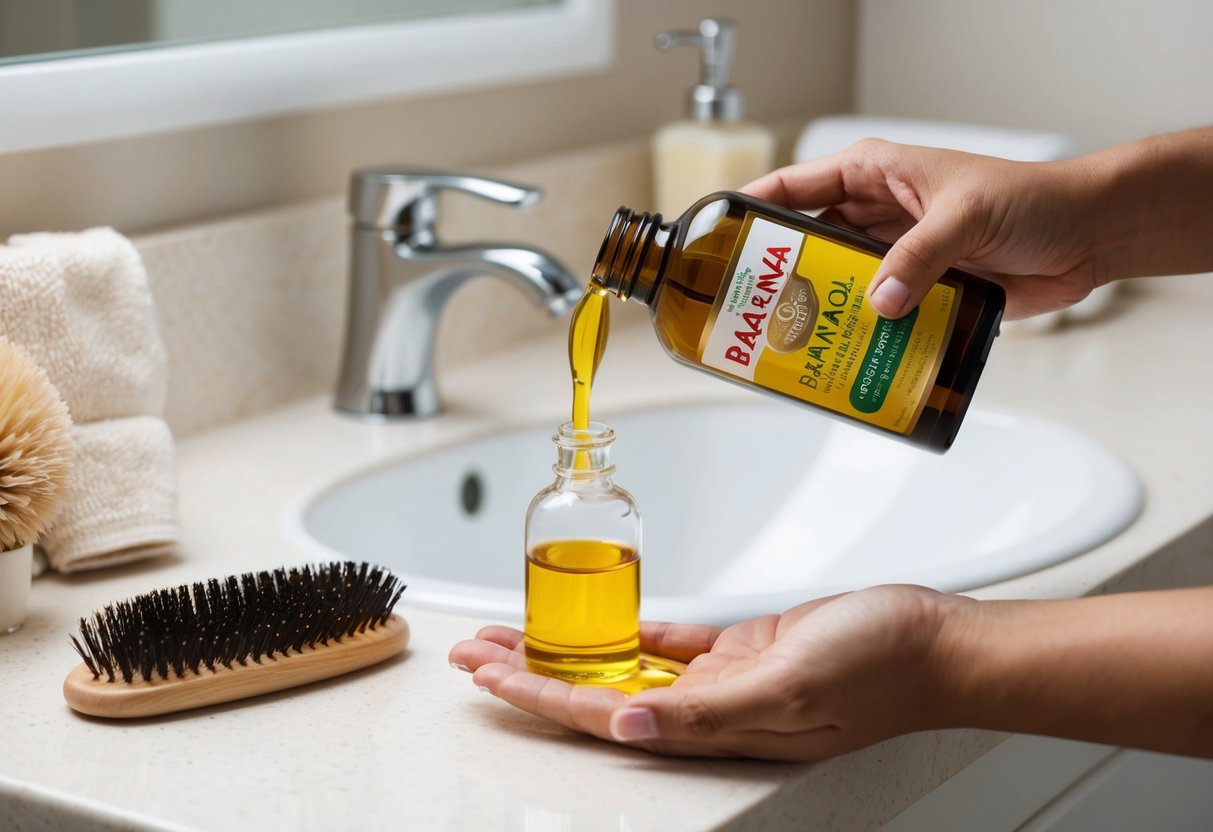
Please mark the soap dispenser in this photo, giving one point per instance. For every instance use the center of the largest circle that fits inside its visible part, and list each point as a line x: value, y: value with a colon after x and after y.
x: 715, y: 150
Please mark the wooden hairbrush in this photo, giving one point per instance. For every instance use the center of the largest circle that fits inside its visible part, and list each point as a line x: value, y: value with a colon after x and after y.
x: 175, y: 649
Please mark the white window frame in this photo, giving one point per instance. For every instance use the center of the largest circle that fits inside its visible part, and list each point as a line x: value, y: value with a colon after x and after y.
x: 91, y: 98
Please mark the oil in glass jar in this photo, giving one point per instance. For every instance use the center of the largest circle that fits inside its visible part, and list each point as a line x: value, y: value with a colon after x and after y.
x: 583, y: 566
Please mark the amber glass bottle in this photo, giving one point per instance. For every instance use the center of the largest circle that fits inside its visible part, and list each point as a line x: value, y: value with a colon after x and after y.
x: 775, y: 300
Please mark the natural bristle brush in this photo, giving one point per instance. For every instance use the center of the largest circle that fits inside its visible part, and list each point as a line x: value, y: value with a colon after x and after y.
x: 175, y: 649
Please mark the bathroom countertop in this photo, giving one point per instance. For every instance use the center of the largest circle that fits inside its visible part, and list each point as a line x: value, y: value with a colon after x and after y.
x: 413, y: 744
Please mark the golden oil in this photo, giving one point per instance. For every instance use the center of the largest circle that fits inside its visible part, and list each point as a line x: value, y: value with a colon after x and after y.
x: 583, y: 592
x: 587, y: 342
x: 582, y: 610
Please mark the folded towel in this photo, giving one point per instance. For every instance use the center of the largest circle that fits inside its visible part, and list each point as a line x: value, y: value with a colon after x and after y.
x: 80, y: 304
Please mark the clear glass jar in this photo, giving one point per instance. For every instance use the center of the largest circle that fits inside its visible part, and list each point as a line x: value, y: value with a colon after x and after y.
x: 583, y: 566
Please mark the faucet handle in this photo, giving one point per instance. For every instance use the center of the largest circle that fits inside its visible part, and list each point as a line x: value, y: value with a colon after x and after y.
x: 404, y: 199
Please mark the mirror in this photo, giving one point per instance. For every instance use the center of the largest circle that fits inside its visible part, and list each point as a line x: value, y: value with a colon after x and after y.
x: 52, y: 29
x: 79, y: 71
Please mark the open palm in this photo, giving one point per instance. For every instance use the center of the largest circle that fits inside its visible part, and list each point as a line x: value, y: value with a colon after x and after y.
x: 826, y: 677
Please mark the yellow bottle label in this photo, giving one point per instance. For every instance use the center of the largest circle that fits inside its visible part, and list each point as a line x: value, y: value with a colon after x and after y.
x: 793, y: 319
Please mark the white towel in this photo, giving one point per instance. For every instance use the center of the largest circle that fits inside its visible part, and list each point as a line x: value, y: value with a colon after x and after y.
x: 80, y: 304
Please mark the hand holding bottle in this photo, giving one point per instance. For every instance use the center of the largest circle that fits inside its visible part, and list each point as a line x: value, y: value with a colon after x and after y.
x: 1048, y: 233
x: 837, y: 674
x: 826, y: 677
x: 840, y: 673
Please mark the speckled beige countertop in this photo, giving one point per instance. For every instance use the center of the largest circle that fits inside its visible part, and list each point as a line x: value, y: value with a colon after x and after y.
x: 413, y: 744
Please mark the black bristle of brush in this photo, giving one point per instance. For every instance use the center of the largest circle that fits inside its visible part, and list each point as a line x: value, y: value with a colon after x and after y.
x: 173, y: 632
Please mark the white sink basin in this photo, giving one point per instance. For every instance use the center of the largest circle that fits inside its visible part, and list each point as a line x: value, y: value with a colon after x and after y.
x: 748, y: 509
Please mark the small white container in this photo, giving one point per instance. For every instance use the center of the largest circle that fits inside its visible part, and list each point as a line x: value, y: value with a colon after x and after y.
x: 16, y: 569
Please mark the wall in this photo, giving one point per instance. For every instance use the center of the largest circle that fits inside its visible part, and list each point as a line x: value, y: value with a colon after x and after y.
x: 1100, y: 71
x: 794, y: 60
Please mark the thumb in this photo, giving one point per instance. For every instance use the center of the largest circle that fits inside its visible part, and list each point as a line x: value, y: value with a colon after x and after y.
x: 916, y: 261
x: 697, y: 712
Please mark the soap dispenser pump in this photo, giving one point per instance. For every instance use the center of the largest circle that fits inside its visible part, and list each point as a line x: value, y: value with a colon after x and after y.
x: 715, y: 150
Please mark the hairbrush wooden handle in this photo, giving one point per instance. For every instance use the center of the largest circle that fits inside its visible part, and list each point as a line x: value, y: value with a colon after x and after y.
x: 119, y: 699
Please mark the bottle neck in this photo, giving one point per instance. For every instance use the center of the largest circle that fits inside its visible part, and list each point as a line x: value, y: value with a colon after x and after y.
x: 584, y: 456
x: 632, y: 256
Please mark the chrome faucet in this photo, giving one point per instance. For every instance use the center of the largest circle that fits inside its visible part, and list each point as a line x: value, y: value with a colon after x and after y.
x: 401, y: 277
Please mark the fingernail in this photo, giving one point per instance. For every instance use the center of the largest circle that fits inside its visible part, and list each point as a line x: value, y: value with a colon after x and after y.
x: 891, y: 295
x: 483, y: 689
x: 462, y: 667
x: 630, y: 724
